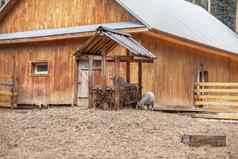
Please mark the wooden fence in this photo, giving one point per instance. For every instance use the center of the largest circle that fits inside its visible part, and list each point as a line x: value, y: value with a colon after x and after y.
x: 216, y: 94
x: 8, y: 96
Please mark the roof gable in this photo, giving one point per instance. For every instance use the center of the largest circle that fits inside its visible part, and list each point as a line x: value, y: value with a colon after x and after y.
x: 31, y: 15
x: 183, y: 19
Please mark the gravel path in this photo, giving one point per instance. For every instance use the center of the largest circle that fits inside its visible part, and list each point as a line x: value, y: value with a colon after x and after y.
x: 71, y: 133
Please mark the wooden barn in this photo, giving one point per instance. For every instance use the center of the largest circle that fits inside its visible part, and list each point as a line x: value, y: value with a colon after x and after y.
x: 196, y: 64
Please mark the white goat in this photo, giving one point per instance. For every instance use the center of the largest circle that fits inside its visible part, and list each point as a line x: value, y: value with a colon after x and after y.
x: 148, y: 100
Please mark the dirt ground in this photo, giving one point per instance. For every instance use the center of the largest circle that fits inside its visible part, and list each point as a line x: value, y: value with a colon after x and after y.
x: 72, y: 133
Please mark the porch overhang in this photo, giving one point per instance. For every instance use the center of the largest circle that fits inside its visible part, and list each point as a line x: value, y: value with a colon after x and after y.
x: 105, y: 40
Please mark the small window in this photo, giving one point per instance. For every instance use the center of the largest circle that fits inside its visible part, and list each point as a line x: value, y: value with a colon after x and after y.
x: 40, y: 68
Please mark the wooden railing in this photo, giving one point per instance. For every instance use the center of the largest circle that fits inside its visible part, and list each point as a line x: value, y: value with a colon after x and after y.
x: 216, y: 94
x: 7, y: 91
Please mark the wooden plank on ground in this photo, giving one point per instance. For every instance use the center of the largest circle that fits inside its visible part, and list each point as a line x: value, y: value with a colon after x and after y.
x: 203, y: 140
x: 220, y: 116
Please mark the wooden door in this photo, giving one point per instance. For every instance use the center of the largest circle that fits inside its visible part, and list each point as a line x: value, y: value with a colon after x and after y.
x: 83, y: 82
x: 83, y: 68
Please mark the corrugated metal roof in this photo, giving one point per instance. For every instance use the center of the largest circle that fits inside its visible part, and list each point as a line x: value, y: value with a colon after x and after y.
x: 106, y: 39
x: 185, y: 20
x: 71, y: 30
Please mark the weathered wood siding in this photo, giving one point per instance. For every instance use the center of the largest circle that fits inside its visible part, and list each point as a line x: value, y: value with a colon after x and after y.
x: 172, y: 76
x: 55, y: 88
x: 44, y: 14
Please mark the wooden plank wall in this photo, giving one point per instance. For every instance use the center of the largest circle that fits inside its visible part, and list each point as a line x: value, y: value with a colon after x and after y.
x: 173, y: 74
x: 37, y: 14
x: 171, y: 77
x: 57, y: 86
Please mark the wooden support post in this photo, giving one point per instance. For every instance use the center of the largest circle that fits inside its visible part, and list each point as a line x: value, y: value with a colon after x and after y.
x: 140, y: 75
x: 104, y: 71
x: 76, y: 78
x: 128, y: 68
x: 117, y: 87
x: 14, y: 88
x: 90, y: 83
x: 128, y: 72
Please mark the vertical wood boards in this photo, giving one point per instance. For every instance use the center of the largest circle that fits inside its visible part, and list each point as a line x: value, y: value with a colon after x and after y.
x: 171, y: 77
x: 173, y: 74
x: 35, y: 15
x: 55, y: 88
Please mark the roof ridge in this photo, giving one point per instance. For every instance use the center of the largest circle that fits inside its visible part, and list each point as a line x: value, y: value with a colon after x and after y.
x: 133, y: 14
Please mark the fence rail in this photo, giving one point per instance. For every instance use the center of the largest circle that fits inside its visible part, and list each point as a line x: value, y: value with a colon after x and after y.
x: 216, y: 94
x: 8, y: 93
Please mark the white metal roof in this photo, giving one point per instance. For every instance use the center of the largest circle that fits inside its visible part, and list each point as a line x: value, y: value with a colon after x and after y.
x: 70, y: 30
x: 185, y: 20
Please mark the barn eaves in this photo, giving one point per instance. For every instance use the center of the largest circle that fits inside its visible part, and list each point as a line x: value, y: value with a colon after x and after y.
x: 106, y: 39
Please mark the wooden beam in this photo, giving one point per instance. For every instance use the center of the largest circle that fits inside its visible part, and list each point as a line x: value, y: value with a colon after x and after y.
x: 216, y: 84
x: 217, y: 103
x: 128, y: 69
x: 117, y: 86
x: 201, y: 140
x: 216, y: 97
x: 90, y: 83
x: 5, y: 105
x: 140, y: 75
x: 207, y: 90
x: 14, y: 79
x: 104, y: 71
x: 7, y: 93
x: 76, y: 79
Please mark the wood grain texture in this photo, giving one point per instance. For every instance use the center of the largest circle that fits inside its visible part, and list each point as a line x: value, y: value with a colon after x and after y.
x: 35, y: 14
x: 173, y: 74
x: 171, y: 77
x: 56, y: 87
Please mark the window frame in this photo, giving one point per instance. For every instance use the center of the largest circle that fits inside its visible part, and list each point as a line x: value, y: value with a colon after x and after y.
x: 36, y: 72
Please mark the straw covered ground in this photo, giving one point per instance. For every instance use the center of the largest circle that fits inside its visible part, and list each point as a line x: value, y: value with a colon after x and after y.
x: 73, y: 133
